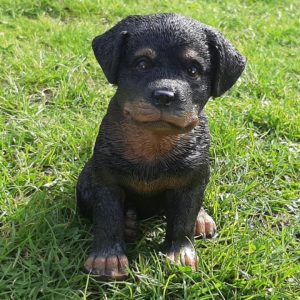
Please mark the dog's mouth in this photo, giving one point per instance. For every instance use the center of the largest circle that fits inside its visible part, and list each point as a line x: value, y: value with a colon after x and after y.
x: 148, y: 116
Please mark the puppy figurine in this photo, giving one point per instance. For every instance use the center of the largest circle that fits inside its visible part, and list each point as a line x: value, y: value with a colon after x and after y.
x: 152, y: 152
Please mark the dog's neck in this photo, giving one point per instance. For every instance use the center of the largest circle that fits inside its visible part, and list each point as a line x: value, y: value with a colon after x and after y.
x: 143, y: 144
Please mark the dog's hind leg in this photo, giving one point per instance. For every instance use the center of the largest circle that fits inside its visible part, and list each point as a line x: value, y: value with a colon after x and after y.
x: 131, y: 225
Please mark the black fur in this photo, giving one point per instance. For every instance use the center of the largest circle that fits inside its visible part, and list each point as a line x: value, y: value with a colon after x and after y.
x: 179, y: 44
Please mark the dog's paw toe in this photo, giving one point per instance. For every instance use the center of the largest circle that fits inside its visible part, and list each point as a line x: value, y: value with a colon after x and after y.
x: 112, y: 267
x: 185, y: 255
x: 205, y: 226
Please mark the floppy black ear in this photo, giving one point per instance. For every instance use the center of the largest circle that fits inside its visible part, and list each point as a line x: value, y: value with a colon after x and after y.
x: 108, y: 49
x: 228, y: 62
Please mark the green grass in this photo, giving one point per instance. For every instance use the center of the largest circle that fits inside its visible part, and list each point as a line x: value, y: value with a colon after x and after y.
x: 53, y: 96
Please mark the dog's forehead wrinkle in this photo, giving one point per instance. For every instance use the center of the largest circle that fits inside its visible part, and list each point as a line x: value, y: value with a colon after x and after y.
x: 170, y: 28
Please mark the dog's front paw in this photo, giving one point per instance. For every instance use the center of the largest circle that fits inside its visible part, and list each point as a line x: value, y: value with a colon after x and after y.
x: 205, y: 226
x: 184, y: 255
x: 107, y: 267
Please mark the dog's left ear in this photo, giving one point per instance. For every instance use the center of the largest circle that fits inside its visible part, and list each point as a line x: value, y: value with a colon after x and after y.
x: 108, y: 49
x: 228, y: 62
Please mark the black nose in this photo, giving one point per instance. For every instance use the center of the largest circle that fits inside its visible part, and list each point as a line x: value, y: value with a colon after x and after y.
x: 163, y: 97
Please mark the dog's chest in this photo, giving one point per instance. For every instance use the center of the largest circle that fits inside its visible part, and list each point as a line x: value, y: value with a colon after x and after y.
x: 149, y: 154
x: 144, y: 162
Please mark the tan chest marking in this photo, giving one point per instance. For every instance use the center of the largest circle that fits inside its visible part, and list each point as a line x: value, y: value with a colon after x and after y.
x: 141, y: 144
x: 158, y: 185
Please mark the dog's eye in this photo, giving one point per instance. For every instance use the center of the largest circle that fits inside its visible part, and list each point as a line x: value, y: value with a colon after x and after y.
x: 143, y: 65
x: 193, y: 71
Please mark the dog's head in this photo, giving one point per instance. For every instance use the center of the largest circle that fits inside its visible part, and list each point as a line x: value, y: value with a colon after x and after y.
x: 166, y: 67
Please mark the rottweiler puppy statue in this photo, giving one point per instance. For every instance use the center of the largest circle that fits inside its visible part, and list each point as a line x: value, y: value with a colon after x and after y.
x: 152, y: 152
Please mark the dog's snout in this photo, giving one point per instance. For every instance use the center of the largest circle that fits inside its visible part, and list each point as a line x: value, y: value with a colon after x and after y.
x: 163, y: 97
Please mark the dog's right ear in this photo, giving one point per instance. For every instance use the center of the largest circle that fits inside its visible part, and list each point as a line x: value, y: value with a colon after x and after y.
x: 229, y: 63
x: 108, y: 49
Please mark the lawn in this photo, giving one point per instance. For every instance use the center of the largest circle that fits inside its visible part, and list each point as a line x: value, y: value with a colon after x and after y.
x: 53, y: 96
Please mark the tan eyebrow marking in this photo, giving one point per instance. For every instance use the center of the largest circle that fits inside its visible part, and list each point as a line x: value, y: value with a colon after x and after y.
x: 190, y: 53
x: 146, y: 52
